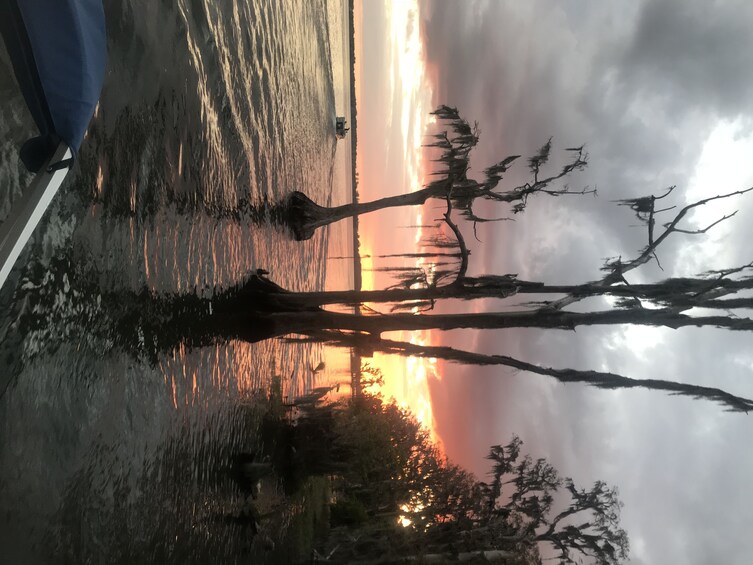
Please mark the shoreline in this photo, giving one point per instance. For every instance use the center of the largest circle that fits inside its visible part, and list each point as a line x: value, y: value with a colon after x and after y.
x: 357, y: 276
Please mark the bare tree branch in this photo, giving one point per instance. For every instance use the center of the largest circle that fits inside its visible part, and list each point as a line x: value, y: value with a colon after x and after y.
x: 649, y: 251
x: 464, y: 253
x: 707, y: 228
x: 598, y: 379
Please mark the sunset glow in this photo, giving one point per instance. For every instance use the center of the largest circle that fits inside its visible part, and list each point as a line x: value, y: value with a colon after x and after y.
x: 407, y: 107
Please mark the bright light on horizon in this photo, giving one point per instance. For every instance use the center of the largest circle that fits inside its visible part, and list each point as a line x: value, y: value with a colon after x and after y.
x: 406, y: 379
x: 415, y: 109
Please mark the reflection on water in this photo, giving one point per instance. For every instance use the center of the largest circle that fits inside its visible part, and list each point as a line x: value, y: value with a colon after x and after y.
x: 114, y: 441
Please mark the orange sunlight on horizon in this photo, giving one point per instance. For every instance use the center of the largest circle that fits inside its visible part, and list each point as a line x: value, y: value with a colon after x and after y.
x: 407, y: 113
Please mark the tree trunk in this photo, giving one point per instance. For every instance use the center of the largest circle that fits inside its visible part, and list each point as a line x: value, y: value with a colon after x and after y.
x: 488, y: 555
x: 282, y: 323
x: 305, y: 216
x: 690, y: 294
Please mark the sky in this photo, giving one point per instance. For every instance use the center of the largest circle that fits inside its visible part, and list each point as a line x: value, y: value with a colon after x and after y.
x: 662, y: 94
x: 394, y: 101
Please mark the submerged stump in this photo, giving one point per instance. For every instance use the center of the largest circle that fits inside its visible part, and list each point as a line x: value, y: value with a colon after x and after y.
x: 304, y: 216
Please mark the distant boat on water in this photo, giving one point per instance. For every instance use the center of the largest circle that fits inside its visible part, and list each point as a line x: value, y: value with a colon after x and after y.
x: 341, y: 127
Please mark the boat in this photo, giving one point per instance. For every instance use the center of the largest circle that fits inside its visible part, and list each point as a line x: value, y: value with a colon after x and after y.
x: 58, y: 49
x: 340, y: 127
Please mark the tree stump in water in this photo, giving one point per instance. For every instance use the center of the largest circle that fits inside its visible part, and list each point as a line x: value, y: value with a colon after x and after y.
x: 304, y: 216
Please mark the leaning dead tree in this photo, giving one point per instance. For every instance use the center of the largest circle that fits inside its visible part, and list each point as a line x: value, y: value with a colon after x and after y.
x: 452, y: 181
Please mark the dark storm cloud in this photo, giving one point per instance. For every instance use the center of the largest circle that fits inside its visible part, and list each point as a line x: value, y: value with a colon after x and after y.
x: 643, y: 84
x: 529, y: 73
x: 697, y: 53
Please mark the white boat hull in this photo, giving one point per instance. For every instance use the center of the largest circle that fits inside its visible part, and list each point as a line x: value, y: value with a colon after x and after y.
x: 16, y: 230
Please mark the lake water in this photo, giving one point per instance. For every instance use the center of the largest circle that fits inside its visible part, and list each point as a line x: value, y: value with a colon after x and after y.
x: 210, y: 109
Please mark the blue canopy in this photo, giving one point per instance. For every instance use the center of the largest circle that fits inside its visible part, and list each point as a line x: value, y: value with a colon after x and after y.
x: 59, y: 51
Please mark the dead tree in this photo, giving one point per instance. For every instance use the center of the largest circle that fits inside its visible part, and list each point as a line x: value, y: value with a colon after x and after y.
x: 456, y: 143
x: 260, y: 309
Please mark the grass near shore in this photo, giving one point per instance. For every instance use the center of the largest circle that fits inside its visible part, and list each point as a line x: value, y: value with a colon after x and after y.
x: 295, y: 523
x: 309, y: 523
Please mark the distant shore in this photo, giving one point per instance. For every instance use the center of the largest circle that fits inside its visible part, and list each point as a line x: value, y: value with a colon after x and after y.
x: 355, y: 356
x: 357, y: 278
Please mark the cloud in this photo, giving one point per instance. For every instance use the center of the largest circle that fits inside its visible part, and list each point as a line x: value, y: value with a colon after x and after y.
x: 650, y: 87
x: 694, y: 53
